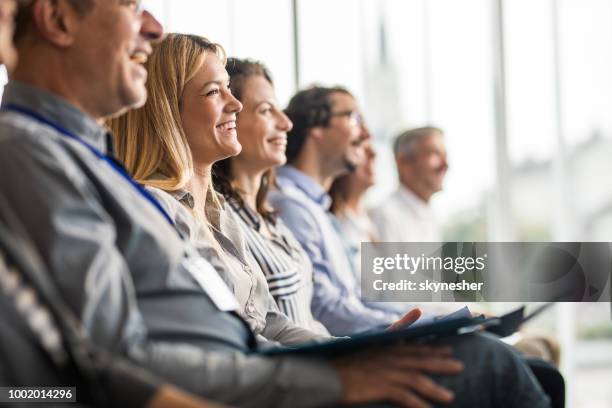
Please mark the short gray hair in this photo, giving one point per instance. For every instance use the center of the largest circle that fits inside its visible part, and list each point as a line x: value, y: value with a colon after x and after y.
x: 405, y: 143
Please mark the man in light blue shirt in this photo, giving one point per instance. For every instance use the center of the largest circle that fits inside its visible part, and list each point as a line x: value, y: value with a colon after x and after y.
x: 304, y: 207
x: 325, y: 142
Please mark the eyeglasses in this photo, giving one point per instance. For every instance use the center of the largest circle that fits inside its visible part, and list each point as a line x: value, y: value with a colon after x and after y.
x: 355, y: 118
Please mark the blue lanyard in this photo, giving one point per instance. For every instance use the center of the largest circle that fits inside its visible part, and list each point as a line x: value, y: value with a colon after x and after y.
x: 108, y: 159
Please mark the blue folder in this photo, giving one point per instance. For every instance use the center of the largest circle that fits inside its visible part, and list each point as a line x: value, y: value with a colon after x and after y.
x: 457, y: 323
x: 446, y: 326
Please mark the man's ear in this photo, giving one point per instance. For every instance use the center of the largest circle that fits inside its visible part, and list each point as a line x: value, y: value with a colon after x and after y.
x: 404, y: 161
x: 56, y: 21
x: 316, y: 132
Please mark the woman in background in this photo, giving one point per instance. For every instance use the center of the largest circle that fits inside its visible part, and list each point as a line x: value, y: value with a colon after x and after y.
x: 347, y: 193
x: 355, y: 225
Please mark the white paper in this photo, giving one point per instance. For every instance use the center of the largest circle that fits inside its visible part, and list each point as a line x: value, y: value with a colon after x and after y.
x: 208, y: 278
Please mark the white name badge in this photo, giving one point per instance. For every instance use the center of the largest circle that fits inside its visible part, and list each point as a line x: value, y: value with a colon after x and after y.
x: 209, y: 280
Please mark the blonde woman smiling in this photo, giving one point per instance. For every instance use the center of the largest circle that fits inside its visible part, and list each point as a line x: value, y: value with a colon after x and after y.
x: 170, y: 145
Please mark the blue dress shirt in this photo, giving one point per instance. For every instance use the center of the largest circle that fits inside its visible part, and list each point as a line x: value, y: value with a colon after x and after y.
x: 304, y: 207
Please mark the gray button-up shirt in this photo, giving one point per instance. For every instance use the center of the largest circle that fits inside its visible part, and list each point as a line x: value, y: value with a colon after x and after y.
x: 105, y: 245
x: 236, y: 266
x: 30, y: 333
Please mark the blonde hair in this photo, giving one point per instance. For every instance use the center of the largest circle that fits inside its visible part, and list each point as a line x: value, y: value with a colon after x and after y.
x: 151, y: 139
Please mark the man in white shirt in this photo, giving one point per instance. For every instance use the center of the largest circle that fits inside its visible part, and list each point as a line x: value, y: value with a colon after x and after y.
x: 407, y: 216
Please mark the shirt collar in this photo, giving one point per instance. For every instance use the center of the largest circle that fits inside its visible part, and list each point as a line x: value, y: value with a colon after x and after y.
x: 253, y: 220
x: 422, y: 208
x: 184, y: 197
x: 213, y: 212
x: 59, y: 111
x: 301, y: 180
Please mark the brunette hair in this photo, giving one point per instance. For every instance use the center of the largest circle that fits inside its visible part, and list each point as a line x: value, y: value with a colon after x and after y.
x: 240, y: 70
x: 309, y: 108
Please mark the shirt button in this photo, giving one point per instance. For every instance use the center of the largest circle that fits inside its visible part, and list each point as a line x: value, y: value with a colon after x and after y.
x: 11, y: 282
x: 40, y: 319
x: 52, y: 339
x: 25, y: 299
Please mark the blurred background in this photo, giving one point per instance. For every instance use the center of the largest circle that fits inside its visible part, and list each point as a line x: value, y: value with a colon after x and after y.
x: 522, y: 89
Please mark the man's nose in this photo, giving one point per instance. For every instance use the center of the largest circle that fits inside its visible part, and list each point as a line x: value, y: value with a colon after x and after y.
x: 151, y: 29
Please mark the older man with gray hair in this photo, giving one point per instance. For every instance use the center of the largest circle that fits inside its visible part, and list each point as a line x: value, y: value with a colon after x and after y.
x: 420, y: 156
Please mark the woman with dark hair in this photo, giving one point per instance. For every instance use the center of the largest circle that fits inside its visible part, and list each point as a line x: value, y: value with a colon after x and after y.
x: 347, y: 193
x: 245, y: 179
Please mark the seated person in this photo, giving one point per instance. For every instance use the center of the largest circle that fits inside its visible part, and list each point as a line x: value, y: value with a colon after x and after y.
x: 346, y: 193
x: 41, y: 343
x: 324, y: 143
x: 115, y: 257
x: 421, y: 163
x: 355, y: 226
x: 32, y: 352
x: 245, y: 180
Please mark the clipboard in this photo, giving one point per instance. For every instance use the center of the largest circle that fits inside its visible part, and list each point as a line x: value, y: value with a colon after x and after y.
x: 444, y: 327
x: 457, y: 323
